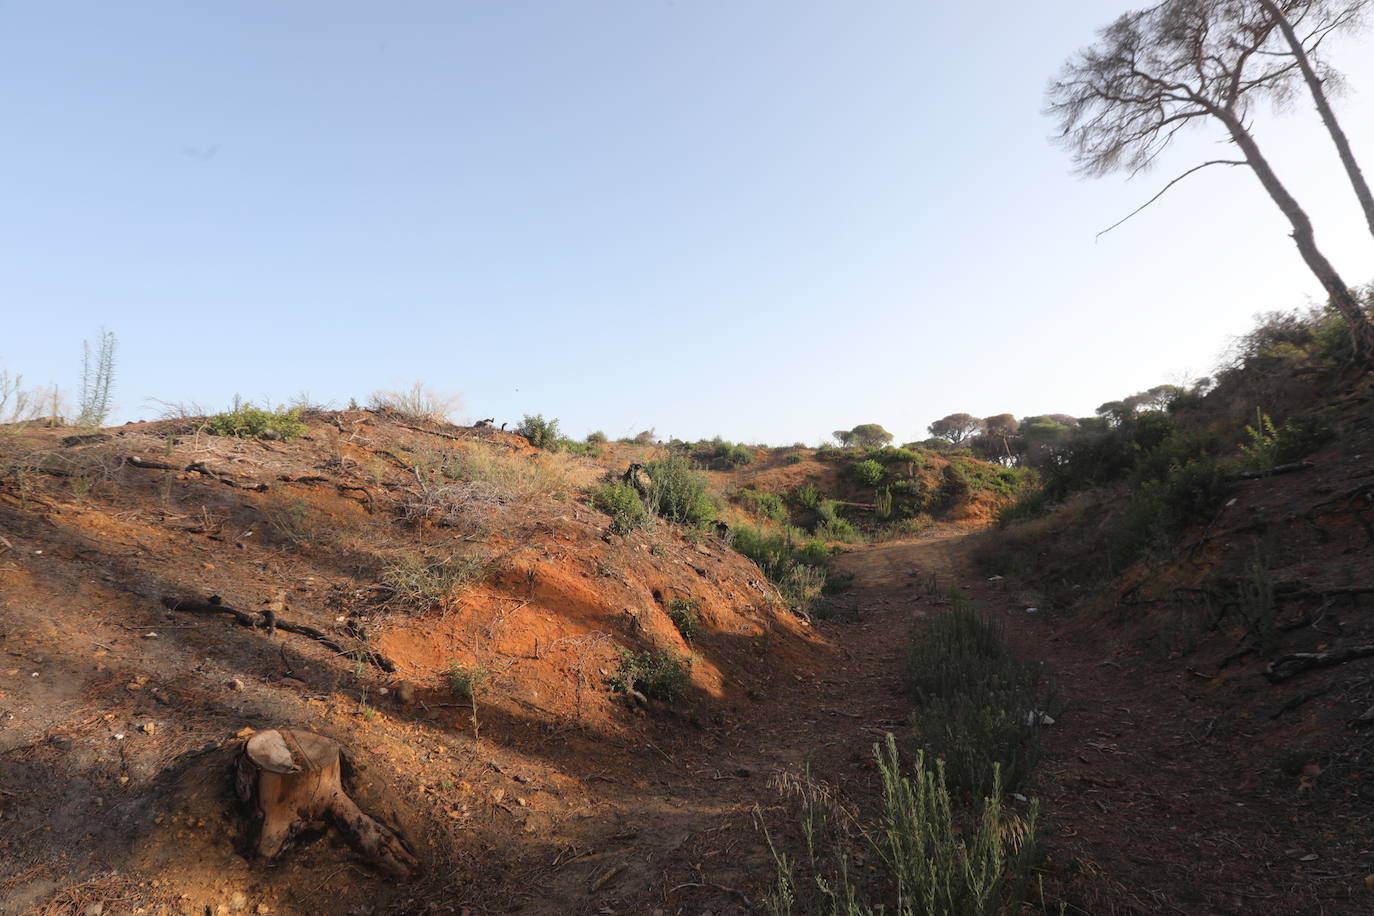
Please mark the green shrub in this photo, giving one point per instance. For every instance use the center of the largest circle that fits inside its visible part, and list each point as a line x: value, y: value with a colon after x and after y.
x: 1030, y: 504
x: 685, y: 613
x: 622, y: 503
x: 836, y: 529
x: 973, y: 699
x: 1302, y: 435
x: 660, y: 674
x: 808, y: 496
x: 1160, y: 510
x: 767, y: 505
x: 248, y: 422
x: 892, y: 455
x: 867, y: 473
x: 541, y: 433
x: 678, y: 493
x: 798, y: 565
x: 928, y: 857
x: 468, y: 681
x: 573, y: 447
x: 596, y: 438
x: 795, y: 458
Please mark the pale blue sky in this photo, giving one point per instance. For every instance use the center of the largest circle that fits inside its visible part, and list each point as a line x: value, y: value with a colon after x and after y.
x: 766, y: 220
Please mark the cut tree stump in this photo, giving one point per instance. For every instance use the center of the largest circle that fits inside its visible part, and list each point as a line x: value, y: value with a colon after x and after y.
x: 292, y: 781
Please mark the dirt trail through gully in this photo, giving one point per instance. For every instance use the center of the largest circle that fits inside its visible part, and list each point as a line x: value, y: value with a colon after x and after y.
x: 1147, y: 806
x: 1150, y: 802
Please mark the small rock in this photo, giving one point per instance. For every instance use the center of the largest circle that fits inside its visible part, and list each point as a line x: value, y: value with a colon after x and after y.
x: 149, y: 728
x: 1369, y: 882
x: 1032, y: 610
x: 234, y: 684
x: 93, y: 909
x: 1036, y: 717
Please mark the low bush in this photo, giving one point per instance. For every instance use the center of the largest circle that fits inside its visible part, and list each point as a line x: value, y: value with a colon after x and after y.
x: 685, y: 613
x: 891, y: 455
x: 836, y: 529
x: 622, y: 503
x: 867, y: 473
x: 798, y: 565
x: 541, y: 433
x: 808, y: 496
x: 1190, y: 493
x: 573, y: 447
x: 678, y: 493
x: 765, y: 505
x: 974, y: 699
x: 248, y: 422
x: 596, y: 438
x: 417, y: 583
x: 660, y: 674
x: 927, y: 857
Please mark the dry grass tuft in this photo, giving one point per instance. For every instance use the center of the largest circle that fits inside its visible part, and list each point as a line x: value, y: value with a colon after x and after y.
x: 418, y: 402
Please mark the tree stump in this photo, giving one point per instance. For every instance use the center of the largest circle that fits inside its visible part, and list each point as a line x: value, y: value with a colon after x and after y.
x: 292, y: 781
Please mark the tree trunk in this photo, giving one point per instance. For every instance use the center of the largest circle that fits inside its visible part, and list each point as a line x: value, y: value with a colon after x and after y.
x: 1361, y: 331
x: 292, y: 780
x: 1333, y: 127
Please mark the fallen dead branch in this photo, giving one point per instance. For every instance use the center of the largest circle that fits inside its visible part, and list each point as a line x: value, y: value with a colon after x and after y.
x: 1290, y: 666
x: 1280, y: 469
x: 1300, y: 699
x: 268, y: 620
x: 195, y: 467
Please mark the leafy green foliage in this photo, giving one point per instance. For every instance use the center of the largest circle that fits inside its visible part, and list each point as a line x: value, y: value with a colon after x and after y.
x: 660, y: 674
x: 836, y: 529
x: 596, y: 438
x: 867, y: 473
x: 468, y: 681
x: 973, y: 697
x: 622, y: 503
x: 1189, y: 493
x: 678, y: 493
x: 1261, y: 452
x: 249, y: 422
x: 808, y: 496
x: 573, y: 447
x: 685, y: 613
x: 541, y: 433
x: 763, y: 504
x: 796, y: 564
x: 929, y: 857
x: 891, y: 455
